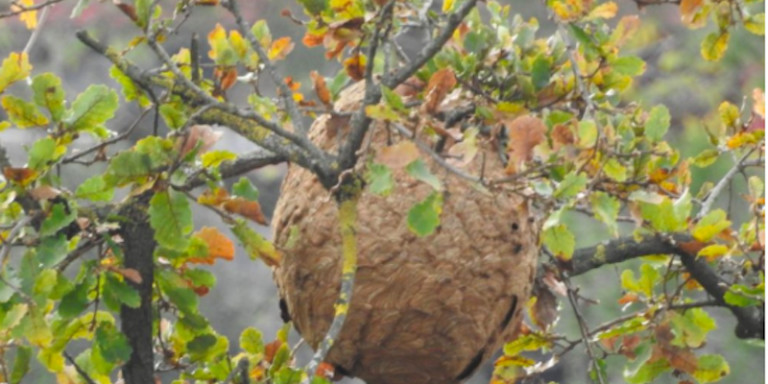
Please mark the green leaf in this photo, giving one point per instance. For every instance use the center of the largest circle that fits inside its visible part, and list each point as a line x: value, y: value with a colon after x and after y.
x: 711, y: 225
x: 92, y: 108
x: 560, y: 241
x: 14, y: 316
x: 59, y: 218
x: 143, y: 12
x: 159, y: 151
x: 20, y: 364
x: 606, y: 209
x: 314, y: 7
x: 615, y: 170
x: 14, y: 68
x: 584, y: 39
x: 245, y: 189
x: 251, y: 341
x: 628, y: 65
x: 424, y: 217
x: 255, y: 244
x: 178, y: 291
x: 74, y: 302
x: 756, y: 186
x: 419, y: 170
x: 23, y: 113
x: 52, y: 250
x: 120, y: 292
x: 112, y: 344
x: 44, y: 283
x: 130, y: 90
x: 173, y: 116
x: 540, y: 72
x: 711, y: 368
x: 49, y: 94
x: 379, y: 179
x: 571, y: 185
x: 647, y: 372
x: 632, y: 325
x: 657, y: 124
x: 392, y: 99
x: 755, y: 24
x: 706, y: 158
x: 171, y: 218
x: 215, y: 158
x: 530, y: 342
x: 42, y: 153
x: 127, y: 166
x: 713, y: 46
x: 744, y: 296
x: 201, y: 344
x: 95, y: 189
x: 691, y: 327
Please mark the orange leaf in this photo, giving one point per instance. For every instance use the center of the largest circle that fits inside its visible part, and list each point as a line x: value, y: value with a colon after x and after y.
x: 438, y: 87
x: 325, y: 370
x: 321, y: 89
x: 271, y: 349
x: 280, y: 48
x: 207, y: 2
x: 225, y: 79
x: 292, y: 85
x: 219, y: 245
x: 246, y: 208
x: 355, y: 67
x: 399, y: 155
x: 525, y: 132
x: 688, y: 9
x: 311, y: 40
x: 628, y: 298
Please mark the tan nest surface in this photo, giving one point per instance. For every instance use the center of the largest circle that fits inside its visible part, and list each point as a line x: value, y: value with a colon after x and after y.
x: 424, y: 310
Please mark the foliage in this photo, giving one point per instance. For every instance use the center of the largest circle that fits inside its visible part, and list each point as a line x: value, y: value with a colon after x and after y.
x: 553, y: 105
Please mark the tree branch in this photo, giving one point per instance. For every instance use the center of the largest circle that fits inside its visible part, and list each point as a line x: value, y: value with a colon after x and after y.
x: 429, y: 51
x: 751, y: 320
x: 248, y: 124
x: 242, y: 165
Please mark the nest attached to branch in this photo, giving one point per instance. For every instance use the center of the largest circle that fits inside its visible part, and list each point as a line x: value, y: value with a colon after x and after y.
x: 424, y: 309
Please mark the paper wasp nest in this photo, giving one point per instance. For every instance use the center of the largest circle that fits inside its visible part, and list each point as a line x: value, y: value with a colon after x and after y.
x: 424, y: 309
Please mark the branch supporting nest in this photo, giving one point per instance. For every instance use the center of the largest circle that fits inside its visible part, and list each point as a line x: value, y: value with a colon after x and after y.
x: 751, y: 320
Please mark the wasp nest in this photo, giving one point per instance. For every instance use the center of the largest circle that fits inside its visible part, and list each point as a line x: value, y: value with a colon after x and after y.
x: 424, y: 309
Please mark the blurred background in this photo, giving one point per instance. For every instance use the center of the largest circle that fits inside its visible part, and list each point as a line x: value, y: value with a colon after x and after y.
x: 245, y: 296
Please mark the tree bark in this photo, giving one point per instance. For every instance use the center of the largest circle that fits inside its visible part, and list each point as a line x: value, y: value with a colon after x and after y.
x: 138, y: 248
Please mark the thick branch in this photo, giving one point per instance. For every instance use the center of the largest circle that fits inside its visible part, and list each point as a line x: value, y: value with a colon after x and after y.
x: 751, y: 320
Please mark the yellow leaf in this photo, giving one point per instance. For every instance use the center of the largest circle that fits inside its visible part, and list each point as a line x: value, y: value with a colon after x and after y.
x: 688, y: 10
x: 604, y: 11
x: 29, y: 18
x: 712, y: 252
x: 217, y: 34
x: 448, y: 5
x: 714, y: 45
x: 280, y: 48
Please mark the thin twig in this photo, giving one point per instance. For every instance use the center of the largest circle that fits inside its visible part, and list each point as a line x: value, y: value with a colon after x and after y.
x: 106, y: 143
x: 22, y: 9
x: 724, y: 182
x: 585, y: 332
x: 79, y: 370
x: 285, y: 94
x: 9, y: 238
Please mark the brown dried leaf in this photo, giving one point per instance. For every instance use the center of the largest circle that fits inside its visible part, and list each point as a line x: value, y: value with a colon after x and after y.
x: 525, y: 132
x: 562, y: 135
x: 438, y: 87
x: 130, y: 274
x: 544, y: 311
x: 127, y: 9
x: 355, y: 67
x: 203, y: 133
x: 246, y: 208
x: 399, y: 155
x: 44, y: 192
x: 321, y: 89
x: 410, y: 87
